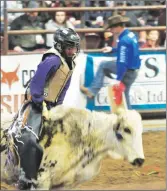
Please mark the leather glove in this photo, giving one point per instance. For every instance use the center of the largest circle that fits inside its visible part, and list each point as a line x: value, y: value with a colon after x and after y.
x: 37, y: 105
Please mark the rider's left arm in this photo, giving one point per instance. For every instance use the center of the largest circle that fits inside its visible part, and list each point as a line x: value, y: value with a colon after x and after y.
x: 38, y: 81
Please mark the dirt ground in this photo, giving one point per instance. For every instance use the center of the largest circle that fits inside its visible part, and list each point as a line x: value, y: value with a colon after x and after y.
x: 119, y: 175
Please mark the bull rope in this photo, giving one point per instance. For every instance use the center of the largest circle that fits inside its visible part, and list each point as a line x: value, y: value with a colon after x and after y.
x: 13, y: 133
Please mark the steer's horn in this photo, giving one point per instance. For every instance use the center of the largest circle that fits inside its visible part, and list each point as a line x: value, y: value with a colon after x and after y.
x: 120, y: 111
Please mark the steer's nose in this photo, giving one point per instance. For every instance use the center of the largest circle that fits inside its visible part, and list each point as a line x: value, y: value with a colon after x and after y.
x: 138, y: 162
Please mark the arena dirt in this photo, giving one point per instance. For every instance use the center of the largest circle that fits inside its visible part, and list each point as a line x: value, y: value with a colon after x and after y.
x: 120, y: 175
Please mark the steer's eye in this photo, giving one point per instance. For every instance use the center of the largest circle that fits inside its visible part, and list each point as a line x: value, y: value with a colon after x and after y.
x: 127, y: 130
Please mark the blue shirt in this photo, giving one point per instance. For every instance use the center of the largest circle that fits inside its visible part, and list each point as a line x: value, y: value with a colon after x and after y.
x: 46, y: 68
x: 127, y: 53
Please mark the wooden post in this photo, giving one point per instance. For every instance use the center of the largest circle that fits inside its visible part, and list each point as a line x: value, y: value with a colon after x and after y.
x: 82, y: 36
x: 5, y: 44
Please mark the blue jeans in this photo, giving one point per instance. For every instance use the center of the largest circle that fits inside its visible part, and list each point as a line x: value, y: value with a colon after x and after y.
x: 107, y: 67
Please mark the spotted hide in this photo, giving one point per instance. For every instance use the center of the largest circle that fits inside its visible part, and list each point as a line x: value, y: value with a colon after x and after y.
x: 76, y: 140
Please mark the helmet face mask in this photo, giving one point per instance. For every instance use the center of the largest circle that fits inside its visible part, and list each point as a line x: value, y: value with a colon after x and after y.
x: 65, y: 39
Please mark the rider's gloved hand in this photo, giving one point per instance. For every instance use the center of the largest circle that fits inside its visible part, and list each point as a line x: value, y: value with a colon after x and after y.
x: 37, y: 105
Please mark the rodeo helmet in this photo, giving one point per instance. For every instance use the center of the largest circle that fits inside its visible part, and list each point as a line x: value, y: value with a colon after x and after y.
x: 64, y: 38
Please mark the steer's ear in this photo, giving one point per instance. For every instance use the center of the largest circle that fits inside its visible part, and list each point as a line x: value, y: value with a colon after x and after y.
x: 121, y: 113
x: 117, y: 126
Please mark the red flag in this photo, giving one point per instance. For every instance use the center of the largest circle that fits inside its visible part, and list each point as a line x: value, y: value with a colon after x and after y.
x: 118, y: 90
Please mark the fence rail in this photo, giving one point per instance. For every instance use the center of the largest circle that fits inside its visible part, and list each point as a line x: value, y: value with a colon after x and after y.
x: 83, y: 9
x: 83, y: 50
x: 80, y: 30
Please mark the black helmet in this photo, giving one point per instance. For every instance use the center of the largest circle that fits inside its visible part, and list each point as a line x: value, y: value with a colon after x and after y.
x: 66, y: 37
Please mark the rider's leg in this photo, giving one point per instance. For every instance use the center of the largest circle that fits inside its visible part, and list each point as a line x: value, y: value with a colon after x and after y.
x: 30, y: 152
x: 30, y: 159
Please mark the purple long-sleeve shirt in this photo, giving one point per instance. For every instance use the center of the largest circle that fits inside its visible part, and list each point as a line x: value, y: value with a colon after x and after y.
x: 46, y: 67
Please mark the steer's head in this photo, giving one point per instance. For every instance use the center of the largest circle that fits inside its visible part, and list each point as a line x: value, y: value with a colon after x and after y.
x: 128, y: 132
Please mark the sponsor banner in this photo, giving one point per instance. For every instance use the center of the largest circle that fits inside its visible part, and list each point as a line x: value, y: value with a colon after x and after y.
x: 16, y: 71
x: 148, y: 92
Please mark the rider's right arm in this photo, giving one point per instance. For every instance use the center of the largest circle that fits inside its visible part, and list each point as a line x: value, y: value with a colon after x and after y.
x: 48, y: 66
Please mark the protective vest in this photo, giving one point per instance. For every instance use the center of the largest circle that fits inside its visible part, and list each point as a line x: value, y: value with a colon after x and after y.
x: 57, y: 82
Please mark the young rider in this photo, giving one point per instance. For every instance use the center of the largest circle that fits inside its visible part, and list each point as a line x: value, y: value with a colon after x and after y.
x: 49, y: 84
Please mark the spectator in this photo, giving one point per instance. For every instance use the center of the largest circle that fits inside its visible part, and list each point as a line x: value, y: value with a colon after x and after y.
x: 141, y: 15
x: 74, y: 22
x: 99, y: 23
x: 59, y: 20
x: 11, y: 16
x: 162, y: 22
x: 108, y: 39
x: 57, y: 3
x: 153, y: 15
x: 45, y: 16
x: 142, y: 38
x: 11, y: 5
x: 2, y: 27
x: 152, y: 40
x: 71, y: 3
x: 133, y: 21
x: 110, y: 3
x: 92, y: 15
x: 27, y: 21
x: 76, y: 14
x: 2, y: 46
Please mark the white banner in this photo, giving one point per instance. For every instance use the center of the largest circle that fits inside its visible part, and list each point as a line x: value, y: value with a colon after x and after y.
x: 16, y: 70
x: 149, y: 88
x: 148, y: 92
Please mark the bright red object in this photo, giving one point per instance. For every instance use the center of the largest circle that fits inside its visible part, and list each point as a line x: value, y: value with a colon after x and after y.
x: 118, y: 90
